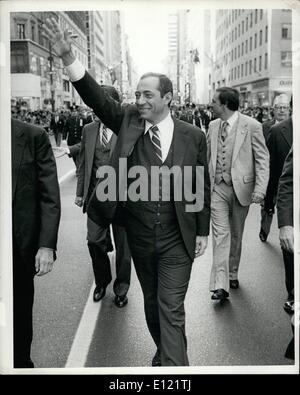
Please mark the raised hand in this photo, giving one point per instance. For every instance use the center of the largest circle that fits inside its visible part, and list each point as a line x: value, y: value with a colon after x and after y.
x: 60, y: 40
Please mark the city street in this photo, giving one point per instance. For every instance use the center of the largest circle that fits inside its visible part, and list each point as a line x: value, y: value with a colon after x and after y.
x: 70, y: 330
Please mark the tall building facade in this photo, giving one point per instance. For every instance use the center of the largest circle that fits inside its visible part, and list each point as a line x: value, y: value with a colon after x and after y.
x: 254, y: 53
x: 95, y: 44
x: 38, y: 79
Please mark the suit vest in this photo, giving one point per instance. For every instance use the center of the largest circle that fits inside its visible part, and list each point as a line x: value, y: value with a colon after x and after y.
x: 224, y: 156
x: 151, y: 212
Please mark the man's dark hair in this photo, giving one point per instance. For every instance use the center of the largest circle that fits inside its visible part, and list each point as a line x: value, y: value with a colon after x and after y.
x: 112, y: 92
x: 164, y: 83
x: 229, y: 97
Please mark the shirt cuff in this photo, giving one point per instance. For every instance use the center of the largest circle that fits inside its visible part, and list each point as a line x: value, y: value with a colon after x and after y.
x: 75, y: 71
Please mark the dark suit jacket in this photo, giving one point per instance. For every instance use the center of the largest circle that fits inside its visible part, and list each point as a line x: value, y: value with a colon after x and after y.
x: 285, y: 193
x: 279, y: 143
x: 57, y: 127
x: 35, y: 189
x: 73, y: 130
x: 90, y: 133
x: 266, y: 128
x: 189, y: 150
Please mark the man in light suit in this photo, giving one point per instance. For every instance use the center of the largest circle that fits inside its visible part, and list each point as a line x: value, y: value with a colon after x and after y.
x: 239, y: 171
x: 164, y: 237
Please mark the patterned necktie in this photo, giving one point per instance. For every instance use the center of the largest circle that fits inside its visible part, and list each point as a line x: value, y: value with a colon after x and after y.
x: 224, y: 131
x: 104, y: 140
x: 156, y: 141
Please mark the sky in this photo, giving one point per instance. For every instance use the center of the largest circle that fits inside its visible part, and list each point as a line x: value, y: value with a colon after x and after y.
x: 147, y: 30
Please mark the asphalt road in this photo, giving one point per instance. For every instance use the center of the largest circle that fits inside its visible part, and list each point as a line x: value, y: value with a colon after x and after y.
x: 250, y: 329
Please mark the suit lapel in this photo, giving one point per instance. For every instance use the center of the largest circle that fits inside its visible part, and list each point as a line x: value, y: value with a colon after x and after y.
x: 18, y: 143
x: 90, y: 146
x: 180, y: 143
x: 214, y: 144
x: 242, y: 129
x: 287, y: 132
x: 135, y: 129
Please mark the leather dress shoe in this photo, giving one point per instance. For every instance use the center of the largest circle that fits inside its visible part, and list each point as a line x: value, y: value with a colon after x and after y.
x: 234, y: 284
x: 220, y: 294
x: 289, y: 306
x: 99, y: 294
x: 263, y: 236
x: 156, y: 361
x: 121, y: 301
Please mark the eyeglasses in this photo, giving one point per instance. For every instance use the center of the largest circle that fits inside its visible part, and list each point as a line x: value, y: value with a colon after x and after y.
x: 281, y: 107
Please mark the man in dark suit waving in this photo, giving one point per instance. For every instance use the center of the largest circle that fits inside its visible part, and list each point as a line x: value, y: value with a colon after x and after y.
x: 164, y: 237
x: 36, y: 215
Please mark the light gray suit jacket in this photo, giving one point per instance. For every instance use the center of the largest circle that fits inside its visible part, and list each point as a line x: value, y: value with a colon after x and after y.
x: 250, y: 159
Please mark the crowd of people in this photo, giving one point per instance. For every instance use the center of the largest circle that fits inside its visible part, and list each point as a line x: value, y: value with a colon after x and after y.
x: 241, y: 165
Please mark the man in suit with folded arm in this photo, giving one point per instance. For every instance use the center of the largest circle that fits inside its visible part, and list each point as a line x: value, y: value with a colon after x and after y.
x: 239, y: 170
x: 164, y: 238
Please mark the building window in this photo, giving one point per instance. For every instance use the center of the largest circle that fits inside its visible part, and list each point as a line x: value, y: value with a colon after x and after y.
x: 246, y: 47
x: 235, y: 53
x: 235, y: 73
x: 286, y: 58
x: 246, y: 69
x: 242, y: 49
x: 242, y: 70
x: 255, y: 20
x: 266, y: 61
x: 247, y: 24
x: 239, y: 30
x: 255, y: 40
x: 239, y: 53
x: 18, y: 62
x: 250, y: 67
x: 243, y: 27
x: 66, y: 86
x: 261, y: 14
x: 235, y: 14
x: 254, y: 66
x: 259, y: 66
x: 235, y: 33
x: 21, y: 31
x: 260, y: 37
x: 32, y: 32
x: 286, y: 30
x: 251, y: 19
x: 266, y: 34
x: 250, y: 46
x: 238, y: 72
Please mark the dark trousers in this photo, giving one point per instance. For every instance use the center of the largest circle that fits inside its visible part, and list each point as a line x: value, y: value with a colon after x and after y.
x: 23, y: 294
x: 288, y: 260
x: 58, y: 136
x: 99, y: 244
x: 163, y: 268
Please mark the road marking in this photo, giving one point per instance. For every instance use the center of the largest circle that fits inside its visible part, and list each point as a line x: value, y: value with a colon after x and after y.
x: 83, y: 337
x: 65, y: 176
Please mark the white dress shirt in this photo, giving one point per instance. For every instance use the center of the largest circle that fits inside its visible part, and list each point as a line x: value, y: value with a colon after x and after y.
x: 165, y: 132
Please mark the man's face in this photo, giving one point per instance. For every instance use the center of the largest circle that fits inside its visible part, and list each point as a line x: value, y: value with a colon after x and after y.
x: 281, y: 110
x: 217, y: 107
x: 151, y: 106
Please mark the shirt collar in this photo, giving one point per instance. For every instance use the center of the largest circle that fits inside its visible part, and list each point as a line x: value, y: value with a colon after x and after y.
x: 231, y: 120
x: 166, y: 123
